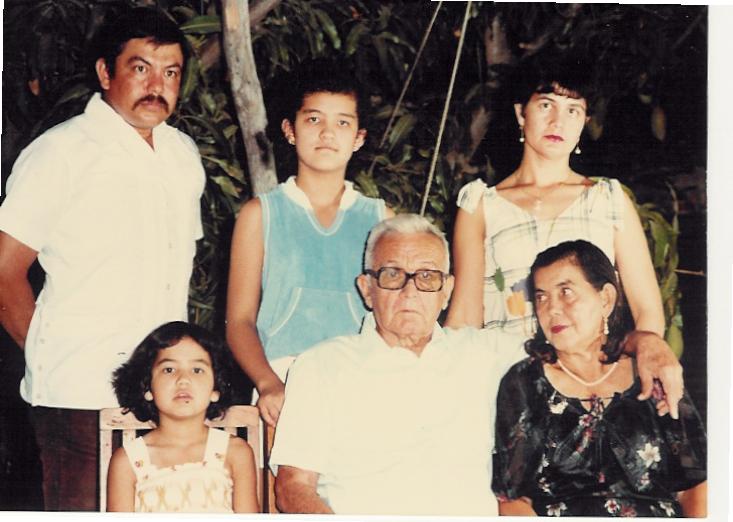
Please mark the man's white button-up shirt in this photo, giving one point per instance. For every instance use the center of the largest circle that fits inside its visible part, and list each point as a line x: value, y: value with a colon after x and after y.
x: 114, y: 223
x: 392, y: 433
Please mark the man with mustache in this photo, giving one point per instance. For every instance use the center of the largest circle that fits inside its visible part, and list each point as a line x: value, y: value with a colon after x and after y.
x: 108, y: 202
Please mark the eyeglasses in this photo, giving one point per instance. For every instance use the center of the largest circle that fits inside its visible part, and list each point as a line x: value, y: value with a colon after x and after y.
x: 393, y: 278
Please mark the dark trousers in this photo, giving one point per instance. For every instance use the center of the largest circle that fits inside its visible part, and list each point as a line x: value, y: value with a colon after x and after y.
x: 68, y: 441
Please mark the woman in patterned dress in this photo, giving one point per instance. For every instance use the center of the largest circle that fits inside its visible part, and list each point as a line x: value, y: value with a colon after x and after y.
x: 571, y: 437
x: 499, y: 230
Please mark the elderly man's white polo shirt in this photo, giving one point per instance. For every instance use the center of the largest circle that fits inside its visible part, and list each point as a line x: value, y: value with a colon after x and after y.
x: 392, y: 433
x: 114, y: 223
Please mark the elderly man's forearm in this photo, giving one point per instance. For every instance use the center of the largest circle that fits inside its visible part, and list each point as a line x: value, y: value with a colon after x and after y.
x: 299, y: 498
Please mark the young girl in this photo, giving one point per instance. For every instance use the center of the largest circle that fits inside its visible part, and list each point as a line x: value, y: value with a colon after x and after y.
x: 499, y: 230
x: 178, y: 376
x: 296, y: 251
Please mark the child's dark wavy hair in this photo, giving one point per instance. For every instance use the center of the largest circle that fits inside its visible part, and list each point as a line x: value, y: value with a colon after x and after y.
x: 597, y: 270
x: 568, y: 75
x: 131, y: 380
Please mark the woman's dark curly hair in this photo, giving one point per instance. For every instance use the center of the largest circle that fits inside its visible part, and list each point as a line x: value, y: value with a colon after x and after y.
x: 568, y: 75
x: 131, y: 380
x: 597, y: 270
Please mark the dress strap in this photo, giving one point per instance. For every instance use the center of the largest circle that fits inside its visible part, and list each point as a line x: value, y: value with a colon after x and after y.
x: 470, y: 195
x: 137, y: 454
x: 216, y: 447
x: 615, y: 194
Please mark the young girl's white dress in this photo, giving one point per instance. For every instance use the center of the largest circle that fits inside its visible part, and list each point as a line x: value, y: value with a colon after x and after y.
x: 514, y: 237
x: 194, y: 487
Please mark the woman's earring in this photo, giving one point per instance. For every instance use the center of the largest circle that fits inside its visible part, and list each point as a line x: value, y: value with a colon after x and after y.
x: 577, y: 148
x: 148, y: 396
x: 605, y: 326
x: 291, y: 140
x: 521, y: 134
x: 215, y: 396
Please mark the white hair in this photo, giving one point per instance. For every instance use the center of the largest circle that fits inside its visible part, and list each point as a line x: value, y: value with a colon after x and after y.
x: 403, y: 224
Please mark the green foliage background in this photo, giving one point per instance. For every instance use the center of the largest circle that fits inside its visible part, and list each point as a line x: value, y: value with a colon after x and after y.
x: 649, y: 130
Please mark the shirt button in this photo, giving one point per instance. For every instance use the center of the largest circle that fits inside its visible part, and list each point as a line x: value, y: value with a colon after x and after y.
x: 42, y: 341
x: 168, y: 287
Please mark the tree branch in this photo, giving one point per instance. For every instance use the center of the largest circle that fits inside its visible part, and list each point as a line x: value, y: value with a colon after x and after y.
x: 247, y: 94
x: 211, y: 51
x: 495, y: 41
x: 259, y: 11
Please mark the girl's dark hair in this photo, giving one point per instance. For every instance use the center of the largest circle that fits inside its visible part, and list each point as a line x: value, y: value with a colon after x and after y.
x: 131, y: 380
x: 567, y: 75
x: 597, y: 270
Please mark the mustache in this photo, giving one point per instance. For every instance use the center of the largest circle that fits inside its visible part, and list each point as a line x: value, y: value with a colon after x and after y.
x: 152, y: 98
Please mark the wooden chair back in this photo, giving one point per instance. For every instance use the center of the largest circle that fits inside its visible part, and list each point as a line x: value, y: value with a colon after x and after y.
x: 113, y: 419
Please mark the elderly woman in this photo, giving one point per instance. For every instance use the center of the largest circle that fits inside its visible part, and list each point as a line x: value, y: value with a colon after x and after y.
x: 499, y: 230
x: 571, y: 437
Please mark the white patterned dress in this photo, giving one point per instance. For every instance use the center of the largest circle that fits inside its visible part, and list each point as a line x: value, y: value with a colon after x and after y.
x: 514, y: 237
x: 194, y: 487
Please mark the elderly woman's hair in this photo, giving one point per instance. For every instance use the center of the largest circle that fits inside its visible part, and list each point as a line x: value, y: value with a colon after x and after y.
x: 566, y: 75
x: 403, y: 224
x: 597, y: 270
x: 131, y: 380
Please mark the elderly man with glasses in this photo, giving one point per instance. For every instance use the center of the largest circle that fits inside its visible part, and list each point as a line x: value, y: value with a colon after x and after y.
x: 398, y: 419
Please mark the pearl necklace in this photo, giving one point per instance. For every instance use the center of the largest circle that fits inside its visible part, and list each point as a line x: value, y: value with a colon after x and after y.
x: 586, y: 383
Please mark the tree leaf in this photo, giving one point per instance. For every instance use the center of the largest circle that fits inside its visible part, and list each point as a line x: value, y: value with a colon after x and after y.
x: 352, y: 40
x: 437, y: 204
x: 328, y: 27
x: 674, y: 339
x: 232, y: 169
x: 214, y: 132
x: 230, y: 131
x: 396, y: 40
x: 367, y: 185
x: 226, y: 185
x: 204, y: 24
x: 401, y: 129
x: 190, y: 78
x: 77, y: 91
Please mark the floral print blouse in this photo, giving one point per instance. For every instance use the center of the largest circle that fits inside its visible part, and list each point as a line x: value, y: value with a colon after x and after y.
x: 615, y: 460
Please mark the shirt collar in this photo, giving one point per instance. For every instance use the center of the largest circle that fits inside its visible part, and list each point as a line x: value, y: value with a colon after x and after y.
x: 295, y: 193
x: 107, y: 120
x: 378, y: 345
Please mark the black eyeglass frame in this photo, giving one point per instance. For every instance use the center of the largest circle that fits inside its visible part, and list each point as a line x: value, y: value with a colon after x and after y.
x: 408, y: 275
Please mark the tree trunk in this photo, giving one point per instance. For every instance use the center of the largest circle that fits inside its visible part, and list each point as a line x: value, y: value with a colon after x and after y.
x: 247, y: 94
